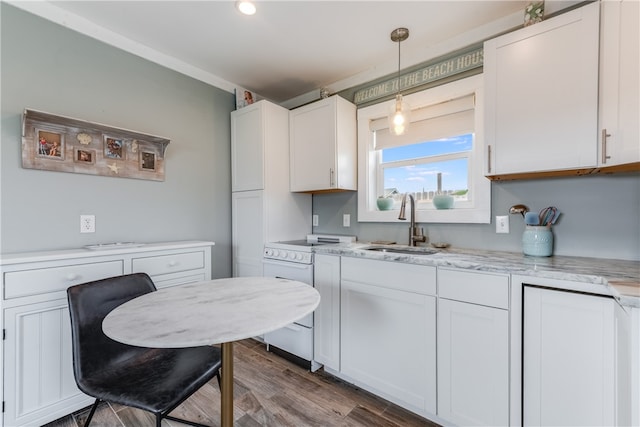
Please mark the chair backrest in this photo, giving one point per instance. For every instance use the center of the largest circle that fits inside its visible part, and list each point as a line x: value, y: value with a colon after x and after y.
x: 89, y: 304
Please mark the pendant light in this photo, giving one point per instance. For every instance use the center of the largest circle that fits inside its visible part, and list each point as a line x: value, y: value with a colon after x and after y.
x: 399, y: 114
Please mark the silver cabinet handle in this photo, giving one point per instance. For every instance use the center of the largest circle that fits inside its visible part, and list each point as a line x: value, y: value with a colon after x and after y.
x: 331, y: 178
x: 488, y: 159
x: 604, y: 146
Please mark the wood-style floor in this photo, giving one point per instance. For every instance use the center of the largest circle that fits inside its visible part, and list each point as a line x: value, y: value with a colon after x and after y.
x: 268, y: 391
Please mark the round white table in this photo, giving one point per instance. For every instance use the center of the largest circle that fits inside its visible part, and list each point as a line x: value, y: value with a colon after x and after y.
x: 213, y: 312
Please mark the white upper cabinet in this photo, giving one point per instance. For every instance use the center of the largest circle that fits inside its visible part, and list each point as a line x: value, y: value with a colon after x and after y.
x: 541, y: 85
x: 323, y: 146
x: 619, y: 83
x: 258, y: 130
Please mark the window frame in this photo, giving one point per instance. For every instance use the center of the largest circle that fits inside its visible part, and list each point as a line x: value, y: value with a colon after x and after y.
x: 368, y: 158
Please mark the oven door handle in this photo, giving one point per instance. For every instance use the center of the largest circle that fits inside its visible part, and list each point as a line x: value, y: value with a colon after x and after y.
x: 293, y: 327
x: 288, y: 264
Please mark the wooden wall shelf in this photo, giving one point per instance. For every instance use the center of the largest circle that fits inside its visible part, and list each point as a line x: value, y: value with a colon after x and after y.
x: 64, y: 144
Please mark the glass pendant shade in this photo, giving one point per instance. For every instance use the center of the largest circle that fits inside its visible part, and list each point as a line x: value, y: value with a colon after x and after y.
x: 399, y: 119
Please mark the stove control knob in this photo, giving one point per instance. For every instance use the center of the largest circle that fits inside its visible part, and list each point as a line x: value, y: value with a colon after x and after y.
x: 276, y: 253
x: 299, y: 257
x: 268, y: 252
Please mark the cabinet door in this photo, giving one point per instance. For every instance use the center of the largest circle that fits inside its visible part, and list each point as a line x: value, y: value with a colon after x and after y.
x: 541, y: 86
x: 619, y: 83
x: 388, y: 343
x: 326, y: 280
x: 39, y: 385
x: 247, y: 233
x: 568, y: 359
x: 247, y: 148
x: 313, y: 146
x: 473, y: 364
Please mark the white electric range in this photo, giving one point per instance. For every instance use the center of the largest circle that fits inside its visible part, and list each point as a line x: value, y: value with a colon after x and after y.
x: 294, y: 260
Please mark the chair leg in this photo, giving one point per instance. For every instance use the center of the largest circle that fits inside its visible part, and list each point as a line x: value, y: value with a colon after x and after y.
x: 158, y: 420
x: 93, y: 409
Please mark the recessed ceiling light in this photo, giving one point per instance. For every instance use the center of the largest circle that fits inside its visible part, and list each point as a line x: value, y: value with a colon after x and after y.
x: 246, y: 7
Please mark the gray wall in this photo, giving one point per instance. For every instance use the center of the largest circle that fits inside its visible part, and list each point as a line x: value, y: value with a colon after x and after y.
x: 50, y: 68
x: 600, y: 217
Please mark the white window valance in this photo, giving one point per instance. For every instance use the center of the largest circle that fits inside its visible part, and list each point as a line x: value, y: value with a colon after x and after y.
x: 453, y: 117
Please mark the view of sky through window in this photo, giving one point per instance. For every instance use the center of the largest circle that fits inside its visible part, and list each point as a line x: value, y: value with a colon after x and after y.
x: 421, y: 176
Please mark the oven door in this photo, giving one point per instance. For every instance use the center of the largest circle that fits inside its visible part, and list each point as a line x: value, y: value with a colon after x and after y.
x: 291, y: 271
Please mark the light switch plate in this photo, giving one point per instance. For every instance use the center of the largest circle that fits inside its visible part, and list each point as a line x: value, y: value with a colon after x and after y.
x: 346, y: 220
x: 502, y: 224
x: 315, y: 220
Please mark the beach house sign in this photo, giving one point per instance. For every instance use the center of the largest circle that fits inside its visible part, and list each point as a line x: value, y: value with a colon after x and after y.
x: 460, y: 63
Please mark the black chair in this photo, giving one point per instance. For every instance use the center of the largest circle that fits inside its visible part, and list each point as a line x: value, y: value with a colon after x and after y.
x: 156, y: 380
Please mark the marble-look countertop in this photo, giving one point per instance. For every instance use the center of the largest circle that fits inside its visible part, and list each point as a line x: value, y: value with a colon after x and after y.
x: 210, y: 312
x: 618, y: 278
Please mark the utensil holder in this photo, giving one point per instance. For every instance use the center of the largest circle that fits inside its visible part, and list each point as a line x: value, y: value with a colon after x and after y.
x: 537, y: 241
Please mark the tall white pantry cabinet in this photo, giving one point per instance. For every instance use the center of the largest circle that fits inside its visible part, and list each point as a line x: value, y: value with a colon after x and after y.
x: 263, y: 208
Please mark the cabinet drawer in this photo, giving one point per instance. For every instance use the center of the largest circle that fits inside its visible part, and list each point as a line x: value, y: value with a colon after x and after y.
x: 164, y: 264
x: 52, y: 279
x: 478, y: 288
x: 416, y: 278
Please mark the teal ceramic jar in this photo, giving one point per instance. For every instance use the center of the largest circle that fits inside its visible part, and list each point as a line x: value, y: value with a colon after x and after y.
x: 537, y: 241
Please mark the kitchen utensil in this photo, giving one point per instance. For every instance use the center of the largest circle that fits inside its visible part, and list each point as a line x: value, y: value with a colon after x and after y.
x: 547, y: 215
x: 531, y: 218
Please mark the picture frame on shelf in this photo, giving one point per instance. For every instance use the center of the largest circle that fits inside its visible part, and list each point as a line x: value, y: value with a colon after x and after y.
x: 81, y: 155
x: 113, y: 148
x: 51, y: 144
x: 147, y: 161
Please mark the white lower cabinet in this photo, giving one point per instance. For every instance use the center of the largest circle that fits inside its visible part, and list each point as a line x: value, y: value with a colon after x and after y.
x: 38, y: 383
x: 569, y: 360
x: 473, y: 348
x: 473, y: 364
x: 388, y: 330
x: 39, y: 379
x: 326, y: 318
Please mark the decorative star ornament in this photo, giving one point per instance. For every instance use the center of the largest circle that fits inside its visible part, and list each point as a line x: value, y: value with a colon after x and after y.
x: 114, y: 167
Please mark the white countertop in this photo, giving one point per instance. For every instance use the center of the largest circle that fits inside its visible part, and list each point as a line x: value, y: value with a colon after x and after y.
x: 618, y: 278
x: 210, y: 312
x: 21, y: 257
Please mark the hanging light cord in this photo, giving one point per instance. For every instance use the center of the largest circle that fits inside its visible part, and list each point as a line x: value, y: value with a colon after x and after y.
x: 399, y: 41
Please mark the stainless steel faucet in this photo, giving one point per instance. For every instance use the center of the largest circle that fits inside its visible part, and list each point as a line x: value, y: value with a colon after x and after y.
x: 416, y: 234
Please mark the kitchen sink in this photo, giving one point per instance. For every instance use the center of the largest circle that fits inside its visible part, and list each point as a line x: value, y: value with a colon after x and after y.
x: 402, y: 250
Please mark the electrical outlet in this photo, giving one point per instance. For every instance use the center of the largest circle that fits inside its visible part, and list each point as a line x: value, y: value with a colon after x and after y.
x: 502, y: 224
x: 315, y: 220
x: 87, y: 223
x: 346, y: 220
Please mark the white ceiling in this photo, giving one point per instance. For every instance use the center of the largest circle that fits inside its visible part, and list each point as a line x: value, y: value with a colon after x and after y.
x: 288, y: 48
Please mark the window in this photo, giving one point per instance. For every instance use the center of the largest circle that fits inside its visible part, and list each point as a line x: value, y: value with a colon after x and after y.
x: 442, y: 153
